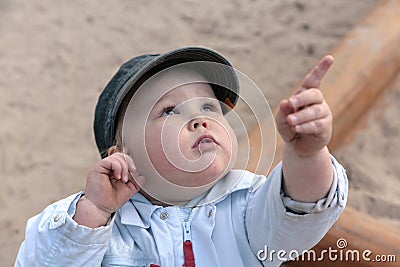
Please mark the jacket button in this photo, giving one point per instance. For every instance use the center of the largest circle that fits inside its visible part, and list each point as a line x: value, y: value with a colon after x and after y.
x: 164, y: 215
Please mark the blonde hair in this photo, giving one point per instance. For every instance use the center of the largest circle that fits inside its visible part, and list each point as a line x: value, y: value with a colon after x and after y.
x: 117, y: 142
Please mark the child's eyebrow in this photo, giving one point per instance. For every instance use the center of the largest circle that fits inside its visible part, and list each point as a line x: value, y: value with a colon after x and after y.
x: 167, y: 97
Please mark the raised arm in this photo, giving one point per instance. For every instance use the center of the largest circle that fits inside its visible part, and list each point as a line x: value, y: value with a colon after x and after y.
x: 305, y: 123
x: 75, y: 231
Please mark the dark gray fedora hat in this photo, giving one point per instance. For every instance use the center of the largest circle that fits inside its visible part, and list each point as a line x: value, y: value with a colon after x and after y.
x: 137, y: 70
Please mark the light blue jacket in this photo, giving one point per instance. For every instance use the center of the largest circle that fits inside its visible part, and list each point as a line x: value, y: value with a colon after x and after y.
x: 243, y: 228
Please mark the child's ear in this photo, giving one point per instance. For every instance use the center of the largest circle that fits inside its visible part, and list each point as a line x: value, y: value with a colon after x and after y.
x: 112, y: 150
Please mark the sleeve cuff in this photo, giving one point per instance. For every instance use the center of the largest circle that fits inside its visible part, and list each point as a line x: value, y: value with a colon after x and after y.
x: 61, y: 219
x: 337, y: 195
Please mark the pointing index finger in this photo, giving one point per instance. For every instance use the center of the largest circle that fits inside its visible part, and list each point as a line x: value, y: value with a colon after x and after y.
x: 314, y: 77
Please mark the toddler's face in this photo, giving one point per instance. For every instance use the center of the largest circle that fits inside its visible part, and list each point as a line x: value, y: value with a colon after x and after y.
x: 187, y: 137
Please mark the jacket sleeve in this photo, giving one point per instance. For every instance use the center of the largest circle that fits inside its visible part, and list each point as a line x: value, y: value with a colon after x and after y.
x: 52, y: 238
x: 280, y: 228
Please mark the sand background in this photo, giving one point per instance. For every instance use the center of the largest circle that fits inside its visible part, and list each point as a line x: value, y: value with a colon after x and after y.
x: 56, y: 56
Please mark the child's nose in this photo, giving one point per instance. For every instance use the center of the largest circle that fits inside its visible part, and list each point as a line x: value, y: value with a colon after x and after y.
x: 199, y: 122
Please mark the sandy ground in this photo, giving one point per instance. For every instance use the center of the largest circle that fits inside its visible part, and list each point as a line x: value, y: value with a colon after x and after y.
x: 56, y: 56
x: 372, y: 160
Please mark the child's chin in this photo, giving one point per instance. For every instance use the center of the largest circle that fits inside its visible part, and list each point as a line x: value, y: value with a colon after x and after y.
x: 213, y: 174
x: 205, y: 177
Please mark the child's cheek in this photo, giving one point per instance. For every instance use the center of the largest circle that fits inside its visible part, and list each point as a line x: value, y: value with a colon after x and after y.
x: 233, y: 146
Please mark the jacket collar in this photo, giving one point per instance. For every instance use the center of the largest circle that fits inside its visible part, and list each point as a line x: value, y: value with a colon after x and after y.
x: 138, y: 210
x: 235, y: 180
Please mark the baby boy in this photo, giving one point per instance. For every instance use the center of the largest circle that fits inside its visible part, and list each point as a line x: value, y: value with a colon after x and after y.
x: 165, y: 192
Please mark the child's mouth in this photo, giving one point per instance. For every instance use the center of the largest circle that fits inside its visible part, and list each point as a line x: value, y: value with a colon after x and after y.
x: 205, y: 141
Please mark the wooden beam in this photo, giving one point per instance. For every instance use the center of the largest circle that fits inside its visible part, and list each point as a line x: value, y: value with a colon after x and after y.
x: 366, y: 60
x: 365, y: 238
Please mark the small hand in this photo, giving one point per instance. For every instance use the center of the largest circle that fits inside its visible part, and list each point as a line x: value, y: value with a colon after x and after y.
x: 110, y: 184
x: 305, y: 120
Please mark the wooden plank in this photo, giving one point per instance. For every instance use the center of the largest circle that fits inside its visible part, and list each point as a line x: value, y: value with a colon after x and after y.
x: 365, y: 238
x: 366, y: 61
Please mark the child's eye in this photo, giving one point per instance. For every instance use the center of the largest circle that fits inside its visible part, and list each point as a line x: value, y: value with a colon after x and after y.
x: 168, y: 111
x: 209, y: 107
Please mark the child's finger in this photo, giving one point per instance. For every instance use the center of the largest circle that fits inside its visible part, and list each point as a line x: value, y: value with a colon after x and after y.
x: 111, y: 166
x: 132, y: 172
x: 136, y: 184
x: 313, y: 112
x: 285, y: 108
x: 314, y: 77
x: 283, y: 127
x: 315, y: 127
x: 127, y: 190
x: 133, y: 175
x: 118, y: 172
x: 124, y: 166
x: 306, y: 98
x: 128, y: 171
x: 130, y: 163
